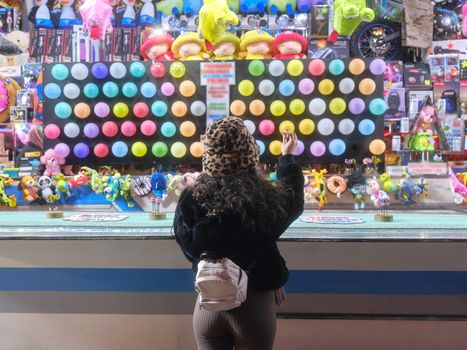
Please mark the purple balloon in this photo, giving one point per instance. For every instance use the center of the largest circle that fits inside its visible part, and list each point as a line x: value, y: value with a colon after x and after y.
x: 306, y: 86
x: 299, y: 149
x: 81, y: 150
x: 91, y: 130
x: 102, y: 109
x: 377, y: 66
x: 99, y: 70
x: 167, y: 89
x: 356, y: 106
x: 317, y: 148
x: 62, y: 150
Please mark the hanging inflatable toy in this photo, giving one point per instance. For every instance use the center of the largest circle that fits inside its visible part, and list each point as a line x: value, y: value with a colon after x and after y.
x: 96, y: 18
x: 214, y: 17
x: 348, y: 14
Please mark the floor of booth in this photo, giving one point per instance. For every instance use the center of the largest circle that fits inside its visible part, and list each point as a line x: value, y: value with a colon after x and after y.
x: 355, y: 225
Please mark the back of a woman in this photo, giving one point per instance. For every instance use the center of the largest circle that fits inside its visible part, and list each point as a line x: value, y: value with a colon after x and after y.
x: 232, y: 212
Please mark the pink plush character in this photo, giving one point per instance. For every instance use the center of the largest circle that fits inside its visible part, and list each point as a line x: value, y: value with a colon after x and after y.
x: 96, y: 17
x: 289, y: 45
x: 426, y: 119
x: 52, y: 163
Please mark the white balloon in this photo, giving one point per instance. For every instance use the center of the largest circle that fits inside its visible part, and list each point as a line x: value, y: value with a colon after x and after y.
x: 79, y: 71
x: 325, y: 126
x: 250, y: 126
x: 198, y: 108
x: 71, y: 130
x: 266, y: 87
x: 117, y: 70
x: 71, y: 91
x: 276, y: 68
x: 346, y: 85
x: 346, y: 126
x: 317, y: 106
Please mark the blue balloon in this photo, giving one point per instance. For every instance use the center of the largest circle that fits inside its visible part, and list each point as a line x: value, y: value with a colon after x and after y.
x: 110, y: 89
x: 60, y: 71
x: 261, y: 146
x: 286, y: 87
x: 100, y: 70
x: 148, y: 90
x: 119, y: 149
x: 378, y: 106
x: 366, y: 127
x: 91, y: 90
x: 62, y: 110
x: 337, y: 147
x: 137, y: 69
x: 52, y: 91
x: 336, y: 67
x: 168, y: 129
x: 129, y: 89
x: 159, y: 108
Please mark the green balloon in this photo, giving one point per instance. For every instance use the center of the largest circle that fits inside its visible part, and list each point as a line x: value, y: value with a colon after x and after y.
x: 159, y: 149
x: 256, y: 68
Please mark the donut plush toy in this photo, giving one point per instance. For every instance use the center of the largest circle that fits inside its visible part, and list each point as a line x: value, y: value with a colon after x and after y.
x: 336, y: 185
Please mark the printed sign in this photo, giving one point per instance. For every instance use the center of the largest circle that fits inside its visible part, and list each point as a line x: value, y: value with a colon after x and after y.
x: 331, y: 220
x: 95, y: 217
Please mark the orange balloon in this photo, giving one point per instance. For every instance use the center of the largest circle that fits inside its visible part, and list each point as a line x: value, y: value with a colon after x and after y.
x: 187, y: 129
x: 82, y: 110
x: 367, y: 86
x: 179, y: 109
x: 257, y: 107
x: 377, y: 147
x: 356, y: 66
x: 238, y: 108
x: 197, y: 149
x: 187, y: 88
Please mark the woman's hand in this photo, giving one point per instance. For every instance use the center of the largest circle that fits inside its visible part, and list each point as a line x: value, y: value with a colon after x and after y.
x: 289, y: 142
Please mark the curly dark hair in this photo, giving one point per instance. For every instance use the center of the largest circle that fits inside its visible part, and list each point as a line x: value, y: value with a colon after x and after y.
x: 254, y: 199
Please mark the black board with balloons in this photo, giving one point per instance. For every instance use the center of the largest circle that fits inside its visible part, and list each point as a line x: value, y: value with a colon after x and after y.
x: 139, y: 112
x: 335, y: 106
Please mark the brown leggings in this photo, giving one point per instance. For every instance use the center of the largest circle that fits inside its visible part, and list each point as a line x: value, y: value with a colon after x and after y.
x: 252, y: 326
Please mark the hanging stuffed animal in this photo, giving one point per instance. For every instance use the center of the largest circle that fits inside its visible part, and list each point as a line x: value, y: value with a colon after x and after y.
x: 348, y: 14
x: 214, y: 17
x: 169, y: 8
x: 147, y: 14
x: 253, y: 6
x: 192, y: 7
x: 68, y: 15
x: 129, y: 16
x: 96, y: 18
x: 40, y: 14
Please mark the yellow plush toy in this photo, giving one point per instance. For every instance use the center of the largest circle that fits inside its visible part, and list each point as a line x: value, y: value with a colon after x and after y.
x: 189, y: 47
x: 214, y: 16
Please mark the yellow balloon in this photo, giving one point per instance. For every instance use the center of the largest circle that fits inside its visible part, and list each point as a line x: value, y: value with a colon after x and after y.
x: 246, y: 88
x: 297, y: 106
x: 238, y: 108
x: 356, y: 66
x: 82, y: 110
x: 286, y: 125
x: 295, y: 68
x: 197, y: 149
x: 187, y: 129
x: 367, y: 86
x: 187, y: 88
x: 277, y: 108
x: 257, y: 107
x: 139, y: 149
x: 179, y: 109
x: 178, y: 150
x: 306, y: 126
x: 377, y: 147
x: 275, y: 147
x: 326, y: 87
x: 177, y: 69
x: 337, y: 105
x: 121, y: 110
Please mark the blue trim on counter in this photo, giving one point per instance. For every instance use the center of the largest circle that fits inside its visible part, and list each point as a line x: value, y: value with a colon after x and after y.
x: 181, y: 280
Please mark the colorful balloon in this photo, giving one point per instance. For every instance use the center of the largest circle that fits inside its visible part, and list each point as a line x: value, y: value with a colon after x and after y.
x: 109, y: 129
x: 139, y: 149
x: 168, y: 129
x: 62, y: 110
x: 367, y: 86
x: 299, y: 149
x: 101, y: 109
x: 159, y: 108
x: 128, y: 129
x: 257, y: 107
x: 61, y: 150
x: 129, y: 90
x: 286, y: 125
x: 81, y: 150
x: 101, y: 150
x: 377, y: 147
x: 91, y: 130
x: 356, y: 106
x: 187, y: 129
x: 377, y: 66
x: 121, y: 110
x: 337, y: 147
x: 277, y: 108
x: 266, y: 127
x: 356, y: 66
x: 82, y: 110
x: 159, y: 149
x: 148, y: 128
x: 140, y: 110
x: 295, y: 67
x: 306, y: 86
x: 276, y: 68
x: 198, y: 108
x: 157, y: 70
x: 52, y: 131
x: 266, y: 87
x: 179, y: 109
x: 238, y: 108
x: 187, y: 88
x: 71, y: 91
x: 275, y: 147
x: 325, y: 126
x: 346, y: 126
x: 366, y: 127
x: 378, y: 106
x: 137, y: 69
x: 306, y: 126
x: 119, y: 149
x: 91, y: 90
x: 177, y: 69
x: 346, y: 86
x: 261, y: 147
x: 316, y: 67
x: 178, y: 150
x: 197, y: 149
x: 250, y: 126
x: 71, y: 130
x: 286, y: 87
x: 60, y: 71
x: 167, y: 89
x: 148, y: 89
x: 337, y: 106
x: 52, y: 91
x: 256, y: 68
x: 99, y: 70
x: 317, y: 148
x: 297, y: 106
x: 336, y: 67
x: 317, y: 106
x: 110, y: 89
x: 326, y: 87
x: 246, y: 88
x: 79, y: 71
x: 117, y: 70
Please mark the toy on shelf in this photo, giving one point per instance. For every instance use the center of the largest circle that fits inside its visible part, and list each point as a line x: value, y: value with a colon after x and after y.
x: 147, y: 14
x: 52, y: 162
x: 175, y: 184
x: 79, y: 179
x: 277, y: 7
x: 98, y: 181
x: 68, y: 15
x: 141, y: 186
x: 357, y: 186
x: 315, y: 187
x: 304, y: 6
x: 189, y: 47
x: 157, y: 47
x: 62, y: 187
x: 379, y: 198
x: 350, y: 166
x: 8, y: 89
x: 253, y: 6
x: 159, y: 186
x: 112, y: 188
x: 370, y: 165
x: 255, y: 44
x: 29, y: 187
x: 408, y: 189
x: 214, y: 17
x: 126, y: 190
x: 289, y: 45
x: 49, y: 195
x: 129, y: 15
x: 348, y: 14
x: 169, y: 8
x: 225, y: 47
x: 336, y: 185
x: 6, y: 200
x: 40, y: 14
x: 192, y: 7
x: 458, y: 188
x: 96, y: 18
x: 388, y: 185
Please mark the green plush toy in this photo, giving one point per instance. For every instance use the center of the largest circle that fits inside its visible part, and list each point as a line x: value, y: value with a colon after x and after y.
x: 348, y: 14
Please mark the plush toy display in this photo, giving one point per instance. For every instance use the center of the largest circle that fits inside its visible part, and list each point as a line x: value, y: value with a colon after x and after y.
x: 189, y: 46
x: 304, y: 5
x: 147, y: 13
x: 126, y: 190
x: 388, y: 185
x: 68, y: 15
x: 379, y: 198
x: 6, y: 200
x: 289, y: 45
x: 214, y: 17
x: 408, y: 189
x: 158, y: 48
x: 129, y: 16
x: 277, y: 7
x: 52, y: 163
x: 169, y: 7
x: 192, y: 7
x: 255, y: 44
x: 40, y: 14
x: 458, y: 187
x: 62, y: 187
x: 348, y: 14
x: 357, y: 186
x: 29, y: 187
x: 47, y: 190
x: 253, y: 6
x: 96, y: 18
x: 225, y: 47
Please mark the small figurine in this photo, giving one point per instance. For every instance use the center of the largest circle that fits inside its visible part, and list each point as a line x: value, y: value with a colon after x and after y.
x: 112, y: 189
x: 159, y: 186
x: 214, y: 17
x: 62, y: 187
x: 255, y: 44
x: 29, y: 187
x: 40, y: 14
x: 189, y: 47
x: 98, y: 181
x: 357, y: 186
x: 157, y: 48
x: 315, y: 187
x: 79, y: 179
x: 126, y: 190
x: 408, y: 189
x: 388, y: 185
x: 147, y: 14
x: 52, y: 162
x: 379, y: 198
x: 289, y: 45
x: 369, y: 166
x: 5, y: 200
x: 225, y: 47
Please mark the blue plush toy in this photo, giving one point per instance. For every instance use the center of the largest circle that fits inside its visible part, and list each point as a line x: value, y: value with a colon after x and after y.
x: 253, y: 6
x: 158, y: 184
x: 281, y: 6
x: 192, y: 7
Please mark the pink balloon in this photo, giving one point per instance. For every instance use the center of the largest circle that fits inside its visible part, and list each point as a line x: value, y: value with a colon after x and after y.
x: 101, y: 150
x: 317, y: 148
x: 167, y: 89
x: 306, y: 86
x: 141, y: 110
x: 101, y: 109
x: 266, y: 127
x: 52, y: 131
x: 109, y: 129
x: 128, y: 129
x: 317, y: 67
x: 148, y: 128
x: 61, y: 150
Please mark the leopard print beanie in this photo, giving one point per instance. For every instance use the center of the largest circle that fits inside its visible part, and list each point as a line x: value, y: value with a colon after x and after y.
x: 229, y: 148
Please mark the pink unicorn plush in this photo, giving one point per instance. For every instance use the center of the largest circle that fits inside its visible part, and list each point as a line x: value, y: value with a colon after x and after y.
x: 96, y: 17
